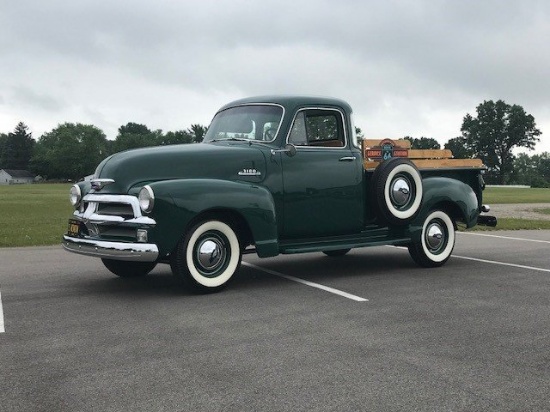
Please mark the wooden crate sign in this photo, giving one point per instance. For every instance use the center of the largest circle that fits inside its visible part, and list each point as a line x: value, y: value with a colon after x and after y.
x: 376, y: 151
x: 386, y: 148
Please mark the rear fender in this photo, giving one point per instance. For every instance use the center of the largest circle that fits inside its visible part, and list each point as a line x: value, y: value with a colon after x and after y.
x: 457, y: 198
x: 179, y: 201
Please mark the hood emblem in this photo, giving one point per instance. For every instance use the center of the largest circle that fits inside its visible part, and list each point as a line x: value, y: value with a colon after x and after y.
x: 249, y: 172
x: 98, y: 184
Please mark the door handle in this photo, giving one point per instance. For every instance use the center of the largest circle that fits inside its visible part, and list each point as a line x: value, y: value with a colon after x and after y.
x: 347, y: 159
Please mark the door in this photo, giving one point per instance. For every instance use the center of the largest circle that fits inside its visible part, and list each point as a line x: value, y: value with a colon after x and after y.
x: 323, y: 193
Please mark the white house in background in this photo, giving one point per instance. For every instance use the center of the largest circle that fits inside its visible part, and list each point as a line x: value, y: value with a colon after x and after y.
x: 13, y: 177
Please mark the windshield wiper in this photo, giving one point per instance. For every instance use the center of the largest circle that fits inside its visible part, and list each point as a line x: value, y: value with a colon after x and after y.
x: 230, y: 139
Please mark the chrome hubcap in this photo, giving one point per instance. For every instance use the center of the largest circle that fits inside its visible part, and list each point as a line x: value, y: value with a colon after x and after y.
x: 400, y: 192
x: 210, y: 254
x: 435, y: 236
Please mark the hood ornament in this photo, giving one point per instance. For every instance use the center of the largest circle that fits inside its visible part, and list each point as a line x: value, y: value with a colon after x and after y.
x: 98, y: 184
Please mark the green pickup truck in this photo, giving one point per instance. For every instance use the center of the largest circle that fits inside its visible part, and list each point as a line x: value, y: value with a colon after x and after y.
x: 274, y: 175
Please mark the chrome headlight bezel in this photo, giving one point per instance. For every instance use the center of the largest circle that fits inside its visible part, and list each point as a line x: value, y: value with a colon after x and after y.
x: 75, y: 196
x: 146, y: 199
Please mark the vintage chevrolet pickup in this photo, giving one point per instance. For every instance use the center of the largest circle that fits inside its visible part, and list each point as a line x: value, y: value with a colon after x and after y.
x: 274, y: 175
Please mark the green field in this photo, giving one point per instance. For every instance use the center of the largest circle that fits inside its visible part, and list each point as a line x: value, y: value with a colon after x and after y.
x: 494, y: 195
x: 34, y: 215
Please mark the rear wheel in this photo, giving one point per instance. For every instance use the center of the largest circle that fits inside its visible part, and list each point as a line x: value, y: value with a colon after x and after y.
x: 207, y: 256
x: 126, y: 269
x: 436, y: 242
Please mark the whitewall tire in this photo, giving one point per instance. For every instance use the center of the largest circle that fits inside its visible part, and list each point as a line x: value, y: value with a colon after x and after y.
x: 397, y: 189
x: 436, y: 242
x: 207, y: 257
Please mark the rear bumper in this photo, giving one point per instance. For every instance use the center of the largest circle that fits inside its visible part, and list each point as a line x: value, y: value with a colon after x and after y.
x: 484, y: 220
x: 135, y: 252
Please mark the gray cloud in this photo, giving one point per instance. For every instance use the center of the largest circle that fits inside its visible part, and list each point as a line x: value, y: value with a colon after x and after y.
x: 408, y: 67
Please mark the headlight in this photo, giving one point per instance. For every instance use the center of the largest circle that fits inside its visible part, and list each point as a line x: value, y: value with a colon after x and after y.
x: 75, y: 196
x: 146, y: 199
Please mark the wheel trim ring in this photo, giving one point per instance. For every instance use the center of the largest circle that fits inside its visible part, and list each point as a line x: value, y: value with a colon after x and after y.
x: 436, y: 237
x: 233, y: 261
x: 409, y: 187
x: 218, y: 256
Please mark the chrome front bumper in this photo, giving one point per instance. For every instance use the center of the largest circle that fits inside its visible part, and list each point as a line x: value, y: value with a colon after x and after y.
x: 135, y: 252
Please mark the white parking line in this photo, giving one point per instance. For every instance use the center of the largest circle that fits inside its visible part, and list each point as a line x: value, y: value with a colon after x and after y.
x: 503, y: 237
x: 2, y: 330
x: 308, y: 283
x: 494, y: 262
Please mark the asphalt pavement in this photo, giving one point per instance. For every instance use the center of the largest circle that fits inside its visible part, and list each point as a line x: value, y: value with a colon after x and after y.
x: 287, y: 335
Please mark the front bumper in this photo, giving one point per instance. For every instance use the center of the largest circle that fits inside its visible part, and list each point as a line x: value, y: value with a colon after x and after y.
x: 135, y: 252
x: 112, y: 216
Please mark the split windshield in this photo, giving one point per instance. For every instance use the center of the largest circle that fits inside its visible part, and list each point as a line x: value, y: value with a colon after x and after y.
x: 249, y: 122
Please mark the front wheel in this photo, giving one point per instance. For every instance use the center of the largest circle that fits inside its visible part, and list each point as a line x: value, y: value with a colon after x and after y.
x: 207, y: 256
x: 126, y: 269
x: 436, y: 242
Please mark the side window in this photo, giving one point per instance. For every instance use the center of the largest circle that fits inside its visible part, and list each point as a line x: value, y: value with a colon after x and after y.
x: 318, y: 128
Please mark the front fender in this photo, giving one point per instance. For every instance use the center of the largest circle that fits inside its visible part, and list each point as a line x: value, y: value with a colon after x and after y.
x: 179, y: 201
x: 449, y: 193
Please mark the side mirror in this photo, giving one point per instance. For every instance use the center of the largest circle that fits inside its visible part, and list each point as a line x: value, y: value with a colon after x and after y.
x: 289, y: 150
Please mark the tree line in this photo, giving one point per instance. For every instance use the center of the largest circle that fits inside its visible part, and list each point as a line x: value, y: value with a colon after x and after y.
x: 71, y: 151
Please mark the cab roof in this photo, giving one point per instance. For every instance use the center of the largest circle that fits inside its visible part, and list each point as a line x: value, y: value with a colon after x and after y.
x: 292, y: 102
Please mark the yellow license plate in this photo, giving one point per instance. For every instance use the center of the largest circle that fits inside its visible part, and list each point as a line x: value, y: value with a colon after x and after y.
x: 74, y: 228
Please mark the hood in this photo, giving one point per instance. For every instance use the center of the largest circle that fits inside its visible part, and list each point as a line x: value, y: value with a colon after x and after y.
x: 229, y: 161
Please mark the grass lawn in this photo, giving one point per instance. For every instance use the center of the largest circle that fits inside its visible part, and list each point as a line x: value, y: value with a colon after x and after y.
x: 35, y: 215
x: 505, y: 223
x: 494, y: 195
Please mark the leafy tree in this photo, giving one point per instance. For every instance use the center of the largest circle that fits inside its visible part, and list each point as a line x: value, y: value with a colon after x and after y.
x: 458, y: 146
x: 423, y: 143
x: 495, y: 131
x: 134, y: 135
x: 532, y: 170
x: 359, y: 133
x: 197, y: 131
x: 17, y: 148
x: 177, y: 137
x: 70, y: 151
x: 3, y: 139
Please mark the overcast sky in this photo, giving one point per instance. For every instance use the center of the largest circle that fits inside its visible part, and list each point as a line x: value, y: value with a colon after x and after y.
x: 406, y: 67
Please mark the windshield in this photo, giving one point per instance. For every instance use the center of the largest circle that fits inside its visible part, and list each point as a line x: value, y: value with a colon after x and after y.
x: 250, y: 122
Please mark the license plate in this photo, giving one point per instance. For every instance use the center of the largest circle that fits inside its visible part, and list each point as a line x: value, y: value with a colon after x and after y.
x: 74, y: 228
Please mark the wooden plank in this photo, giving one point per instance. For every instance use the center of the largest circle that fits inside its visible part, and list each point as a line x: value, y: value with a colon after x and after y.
x: 430, y: 154
x: 443, y: 163
x: 435, y: 163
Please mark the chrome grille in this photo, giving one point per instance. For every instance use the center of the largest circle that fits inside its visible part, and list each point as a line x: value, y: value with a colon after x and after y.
x: 112, y: 210
x: 115, y: 209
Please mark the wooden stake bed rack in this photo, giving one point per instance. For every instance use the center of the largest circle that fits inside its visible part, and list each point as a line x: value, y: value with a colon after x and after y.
x: 375, y: 150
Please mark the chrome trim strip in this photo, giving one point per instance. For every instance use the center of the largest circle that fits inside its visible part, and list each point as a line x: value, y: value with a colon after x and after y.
x: 135, y: 252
